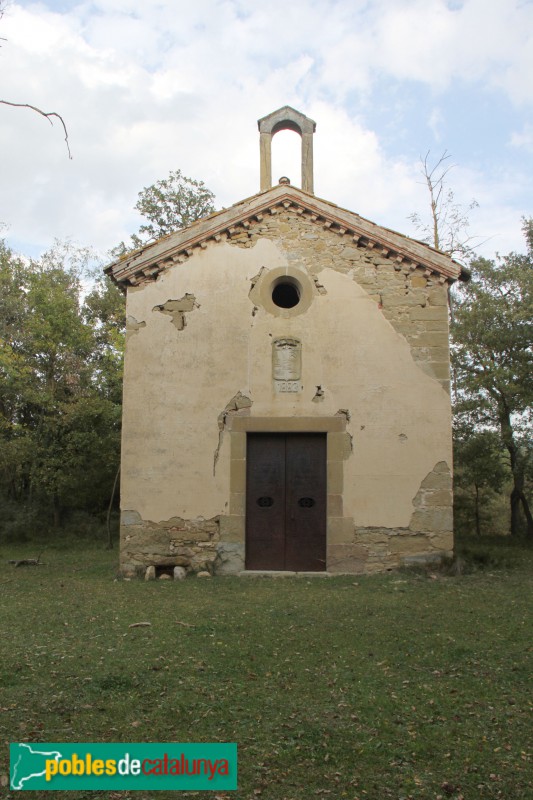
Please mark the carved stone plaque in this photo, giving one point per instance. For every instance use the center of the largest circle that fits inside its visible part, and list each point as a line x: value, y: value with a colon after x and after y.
x: 287, y: 364
x: 288, y: 386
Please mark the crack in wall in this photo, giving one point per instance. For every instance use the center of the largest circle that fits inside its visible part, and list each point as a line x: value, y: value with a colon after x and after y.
x: 239, y: 405
x: 256, y: 279
x: 319, y: 287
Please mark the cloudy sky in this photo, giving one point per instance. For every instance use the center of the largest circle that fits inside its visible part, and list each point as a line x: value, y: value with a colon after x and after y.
x: 149, y: 86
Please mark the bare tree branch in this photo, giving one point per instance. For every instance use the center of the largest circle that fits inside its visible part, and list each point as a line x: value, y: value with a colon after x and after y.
x: 47, y: 114
x: 447, y: 229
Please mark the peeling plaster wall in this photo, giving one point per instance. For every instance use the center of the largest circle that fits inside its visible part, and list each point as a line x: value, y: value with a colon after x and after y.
x: 374, y: 339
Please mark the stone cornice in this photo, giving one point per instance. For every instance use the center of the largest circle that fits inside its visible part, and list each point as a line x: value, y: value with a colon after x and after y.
x: 147, y: 263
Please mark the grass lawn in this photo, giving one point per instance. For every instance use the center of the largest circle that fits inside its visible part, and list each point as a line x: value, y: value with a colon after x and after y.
x: 404, y: 685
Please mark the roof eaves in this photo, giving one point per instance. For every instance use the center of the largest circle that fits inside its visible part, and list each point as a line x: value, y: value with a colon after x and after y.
x: 148, y: 262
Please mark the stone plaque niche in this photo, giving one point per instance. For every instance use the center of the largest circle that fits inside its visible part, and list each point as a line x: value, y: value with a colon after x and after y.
x: 287, y: 364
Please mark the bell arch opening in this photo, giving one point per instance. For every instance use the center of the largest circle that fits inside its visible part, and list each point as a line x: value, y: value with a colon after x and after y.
x: 286, y: 156
x: 286, y: 118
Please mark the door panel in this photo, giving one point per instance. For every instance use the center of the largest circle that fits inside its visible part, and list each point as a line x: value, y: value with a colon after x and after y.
x: 265, y: 501
x: 286, y: 502
x: 305, y: 515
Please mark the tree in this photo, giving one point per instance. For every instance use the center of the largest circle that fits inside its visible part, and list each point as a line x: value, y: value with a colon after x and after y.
x: 169, y: 205
x: 491, y: 352
x: 493, y: 357
x: 61, y: 361
x: 60, y: 370
x: 104, y: 311
x: 447, y: 229
x: 173, y: 203
x: 479, y: 474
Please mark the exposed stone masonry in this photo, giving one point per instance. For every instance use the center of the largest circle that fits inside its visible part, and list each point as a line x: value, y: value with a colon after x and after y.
x: 428, y: 536
x: 411, y: 298
x: 176, y: 309
x: 135, y: 269
x: 174, y: 542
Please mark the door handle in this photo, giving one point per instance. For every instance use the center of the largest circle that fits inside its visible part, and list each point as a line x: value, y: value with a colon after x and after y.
x: 306, y: 502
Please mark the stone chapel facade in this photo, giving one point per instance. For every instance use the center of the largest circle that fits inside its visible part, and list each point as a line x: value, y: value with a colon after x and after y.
x: 286, y: 389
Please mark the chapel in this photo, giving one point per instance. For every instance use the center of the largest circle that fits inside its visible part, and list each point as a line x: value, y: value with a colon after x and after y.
x: 286, y: 389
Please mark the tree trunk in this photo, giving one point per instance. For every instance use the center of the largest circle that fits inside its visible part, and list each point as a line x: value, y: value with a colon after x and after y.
x: 57, y: 512
x: 515, y: 511
x: 476, y: 511
x: 527, y: 513
x: 109, y: 536
x: 517, y: 497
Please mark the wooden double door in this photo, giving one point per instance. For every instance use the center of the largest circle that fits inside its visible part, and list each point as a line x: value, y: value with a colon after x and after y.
x: 286, y: 497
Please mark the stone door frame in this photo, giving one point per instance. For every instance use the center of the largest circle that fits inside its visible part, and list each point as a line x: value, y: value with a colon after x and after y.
x: 339, y: 529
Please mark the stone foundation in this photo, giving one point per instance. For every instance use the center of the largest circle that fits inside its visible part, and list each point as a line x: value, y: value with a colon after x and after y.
x: 200, y: 545
x: 175, y: 542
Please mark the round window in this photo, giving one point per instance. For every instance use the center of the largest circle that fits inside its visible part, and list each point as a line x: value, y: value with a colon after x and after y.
x: 283, y: 291
x: 286, y: 293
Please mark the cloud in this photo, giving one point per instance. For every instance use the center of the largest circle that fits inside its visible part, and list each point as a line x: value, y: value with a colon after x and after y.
x: 434, y: 42
x: 524, y: 138
x: 145, y: 88
x: 435, y: 123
